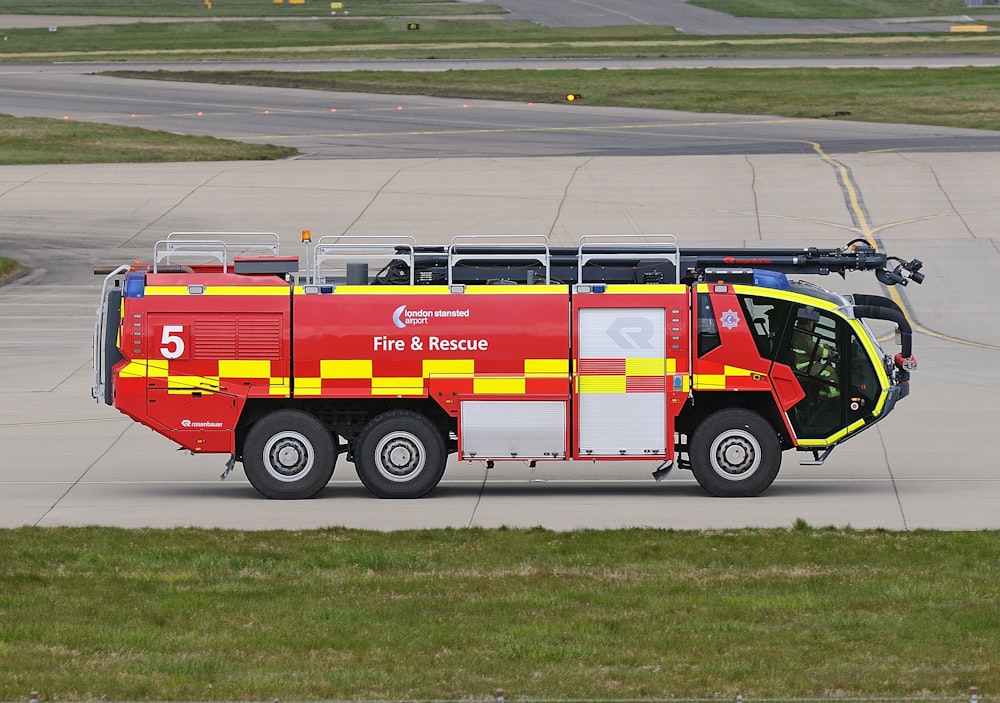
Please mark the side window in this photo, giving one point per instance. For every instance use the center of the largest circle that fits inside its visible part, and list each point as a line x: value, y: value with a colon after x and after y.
x: 767, y: 317
x: 813, y: 349
x: 708, y: 329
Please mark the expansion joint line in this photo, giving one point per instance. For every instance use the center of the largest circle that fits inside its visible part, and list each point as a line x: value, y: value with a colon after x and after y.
x: 479, y: 498
x: 86, y: 471
x: 756, y: 199
x: 565, y: 195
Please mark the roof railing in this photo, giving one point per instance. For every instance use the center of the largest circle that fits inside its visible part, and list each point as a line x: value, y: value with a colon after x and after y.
x: 216, y: 247
x: 610, y: 247
x: 487, y: 248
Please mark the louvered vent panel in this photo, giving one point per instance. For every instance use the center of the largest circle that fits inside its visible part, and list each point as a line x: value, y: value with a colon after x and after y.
x: 232, y: 337
x: 214, y: 337
x: 259, y: 337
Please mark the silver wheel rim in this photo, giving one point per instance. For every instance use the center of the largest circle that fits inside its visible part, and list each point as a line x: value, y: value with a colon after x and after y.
x: 288, y: 457
x: 400, y: 457
x: 735, y: 455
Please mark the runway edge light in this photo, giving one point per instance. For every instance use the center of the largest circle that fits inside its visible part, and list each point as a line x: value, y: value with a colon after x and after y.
x: 573, y: 97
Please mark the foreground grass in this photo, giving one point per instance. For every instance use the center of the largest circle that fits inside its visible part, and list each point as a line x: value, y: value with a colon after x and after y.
x: 25, y: 140
x: 339, y: 614
x: 958, y: 97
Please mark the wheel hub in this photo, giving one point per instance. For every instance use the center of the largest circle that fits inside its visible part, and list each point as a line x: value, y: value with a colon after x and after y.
x: 400, y: 456
x: 735, y: 455
x: 288, y: 456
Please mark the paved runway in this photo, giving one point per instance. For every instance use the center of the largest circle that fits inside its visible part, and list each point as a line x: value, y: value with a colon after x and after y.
x: 67, y: 460
x: 925, y: 193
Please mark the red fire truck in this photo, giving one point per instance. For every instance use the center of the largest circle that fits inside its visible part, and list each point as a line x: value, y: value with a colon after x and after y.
x: 496, y: 349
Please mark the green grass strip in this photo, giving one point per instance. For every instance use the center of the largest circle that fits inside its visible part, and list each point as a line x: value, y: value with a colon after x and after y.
x: 99, y: 613
x: 8, y: 267
x: 29, y: 140
x: 200, y: 9
x: 954, y: 97
x: 323, y: 37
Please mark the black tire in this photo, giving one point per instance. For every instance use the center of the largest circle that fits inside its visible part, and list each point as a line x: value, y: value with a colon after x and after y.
x: 735, y: 454
x: 400, y: 454
x: 288, y: 455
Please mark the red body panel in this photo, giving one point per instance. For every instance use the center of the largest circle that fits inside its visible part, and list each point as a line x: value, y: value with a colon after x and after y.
x: 372, y: 342
x: 195, y: 347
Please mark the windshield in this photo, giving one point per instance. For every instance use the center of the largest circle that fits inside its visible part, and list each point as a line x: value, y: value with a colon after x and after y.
x: 872, y: 337
x: 814, y: 291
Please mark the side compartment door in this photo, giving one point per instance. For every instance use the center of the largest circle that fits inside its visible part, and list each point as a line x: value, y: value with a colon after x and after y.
x: 620, y: 356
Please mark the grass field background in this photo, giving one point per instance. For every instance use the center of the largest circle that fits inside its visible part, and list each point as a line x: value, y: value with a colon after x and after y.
x: 107, y: 614
x: 30, y: 140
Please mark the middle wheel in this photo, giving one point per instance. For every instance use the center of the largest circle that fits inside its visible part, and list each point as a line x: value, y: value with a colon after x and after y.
x: 400, y: 454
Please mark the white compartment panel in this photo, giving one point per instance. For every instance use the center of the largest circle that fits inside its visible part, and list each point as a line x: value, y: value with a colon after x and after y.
x: 623, y: 425
x: 513, y: 429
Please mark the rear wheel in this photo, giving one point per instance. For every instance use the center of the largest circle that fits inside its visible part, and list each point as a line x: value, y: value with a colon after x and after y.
x: 289, y: 454
x: 400, y: 454
x: 735, y: 453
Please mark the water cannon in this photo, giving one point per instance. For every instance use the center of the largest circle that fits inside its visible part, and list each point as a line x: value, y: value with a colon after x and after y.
x: 902, y: 273
x: 866, y: 257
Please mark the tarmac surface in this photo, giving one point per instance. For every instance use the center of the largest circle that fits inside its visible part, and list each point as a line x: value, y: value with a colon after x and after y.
x: 932, y: 464
x: 691, y: 19
x: 920, y: 192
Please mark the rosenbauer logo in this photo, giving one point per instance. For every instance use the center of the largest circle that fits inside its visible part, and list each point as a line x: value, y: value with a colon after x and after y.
x: 731, y: 260
x: 192, y: 423
x: 403, y: 318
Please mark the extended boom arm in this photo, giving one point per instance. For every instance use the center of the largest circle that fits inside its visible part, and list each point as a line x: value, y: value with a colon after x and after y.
x: 857, y: 255
x: 610, y: 262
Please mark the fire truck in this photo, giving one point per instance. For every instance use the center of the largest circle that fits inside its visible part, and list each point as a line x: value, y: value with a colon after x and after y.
x: 498, y: 349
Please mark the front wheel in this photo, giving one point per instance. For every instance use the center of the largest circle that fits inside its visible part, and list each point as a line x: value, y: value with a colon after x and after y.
x: 400, y: 454
x: 735, y: 454
x: 289, y: 454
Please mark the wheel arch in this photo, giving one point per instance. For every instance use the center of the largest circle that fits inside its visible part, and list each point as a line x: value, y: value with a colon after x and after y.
x: 702, y: 404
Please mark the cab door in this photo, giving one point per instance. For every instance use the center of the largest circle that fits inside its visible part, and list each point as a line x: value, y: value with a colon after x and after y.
x: 834, y: 369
